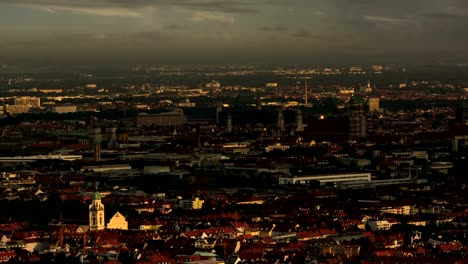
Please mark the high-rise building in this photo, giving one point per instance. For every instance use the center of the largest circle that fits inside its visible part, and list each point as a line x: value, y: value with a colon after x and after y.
x: 306, y: 96
x: 374, y: 105
x: 96, y: 213
x: 280, y: 121
x: 219, y: 109
x: 459, y: 128
x: 111, y: 133
x: 229, y: 124
x: 299, y: 124
x: 95, y: 136
x: 273, y: 85
x: 357, y: 119
x: 461, y: 114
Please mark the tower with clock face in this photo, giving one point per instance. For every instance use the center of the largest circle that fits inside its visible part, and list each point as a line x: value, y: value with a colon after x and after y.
x: 96, y: 213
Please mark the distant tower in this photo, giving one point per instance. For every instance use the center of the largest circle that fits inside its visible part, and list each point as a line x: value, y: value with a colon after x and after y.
x: 306, y: 96
x: 357, y: 119
x: 198, y: 136
x: 95, y: 136
x: 280, y: 121
x: 219, y: 109
x: 111, y: 133
x: 299, y: 124
x: 367, y: 88
x: 461, y: 121
x: 229, y: 124
x: 121, y: 133
x: 461, y: 111
x: 96, y: 213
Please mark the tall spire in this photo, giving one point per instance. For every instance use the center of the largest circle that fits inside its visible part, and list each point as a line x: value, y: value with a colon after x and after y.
x: 306, y: 96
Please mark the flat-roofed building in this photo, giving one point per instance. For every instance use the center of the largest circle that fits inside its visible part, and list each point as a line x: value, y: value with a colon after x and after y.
x: 51, y: 90
x: 176, y: 118
x: 17, y: 109
x: 28, y: 100
x: 326, y: 178
x: 62, y: 109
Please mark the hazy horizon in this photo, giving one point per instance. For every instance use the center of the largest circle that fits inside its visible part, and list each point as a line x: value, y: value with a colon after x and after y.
x: 232, y: 31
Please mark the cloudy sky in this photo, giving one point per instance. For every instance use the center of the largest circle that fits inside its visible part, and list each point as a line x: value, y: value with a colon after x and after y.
x: 233, y: 31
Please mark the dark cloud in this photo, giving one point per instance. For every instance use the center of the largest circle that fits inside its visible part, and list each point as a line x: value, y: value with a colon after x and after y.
x: 200, y: 29
x: 302, y: 33
x: 278, y: 28
x: 446, y: 15
x: 176, y: 27
x: 221, y: 6
x: 113, y: 6
x: 146, y: 35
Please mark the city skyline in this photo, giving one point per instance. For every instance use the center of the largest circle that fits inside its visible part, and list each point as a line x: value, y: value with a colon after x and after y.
x: 236, y: 31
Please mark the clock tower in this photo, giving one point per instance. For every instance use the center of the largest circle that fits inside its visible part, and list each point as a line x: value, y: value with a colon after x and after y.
x: 96, y: 213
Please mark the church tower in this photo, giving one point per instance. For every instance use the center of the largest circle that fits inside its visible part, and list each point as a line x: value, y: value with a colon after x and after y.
x: 96, y: 213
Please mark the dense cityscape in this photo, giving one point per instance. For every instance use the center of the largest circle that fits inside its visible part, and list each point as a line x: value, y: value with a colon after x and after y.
x: 234, y: 164
x: 233, y: 132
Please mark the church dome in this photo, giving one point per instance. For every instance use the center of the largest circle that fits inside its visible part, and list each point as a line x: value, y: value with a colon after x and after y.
x: 96, y: 196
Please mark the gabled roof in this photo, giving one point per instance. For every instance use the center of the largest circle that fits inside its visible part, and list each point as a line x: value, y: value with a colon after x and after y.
x: 118, y: 215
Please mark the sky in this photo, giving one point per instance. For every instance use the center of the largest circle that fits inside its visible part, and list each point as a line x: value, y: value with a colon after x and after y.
x: 233, y: 31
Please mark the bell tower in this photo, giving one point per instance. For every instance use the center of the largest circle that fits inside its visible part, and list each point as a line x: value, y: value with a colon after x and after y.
x: 96, y: 213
